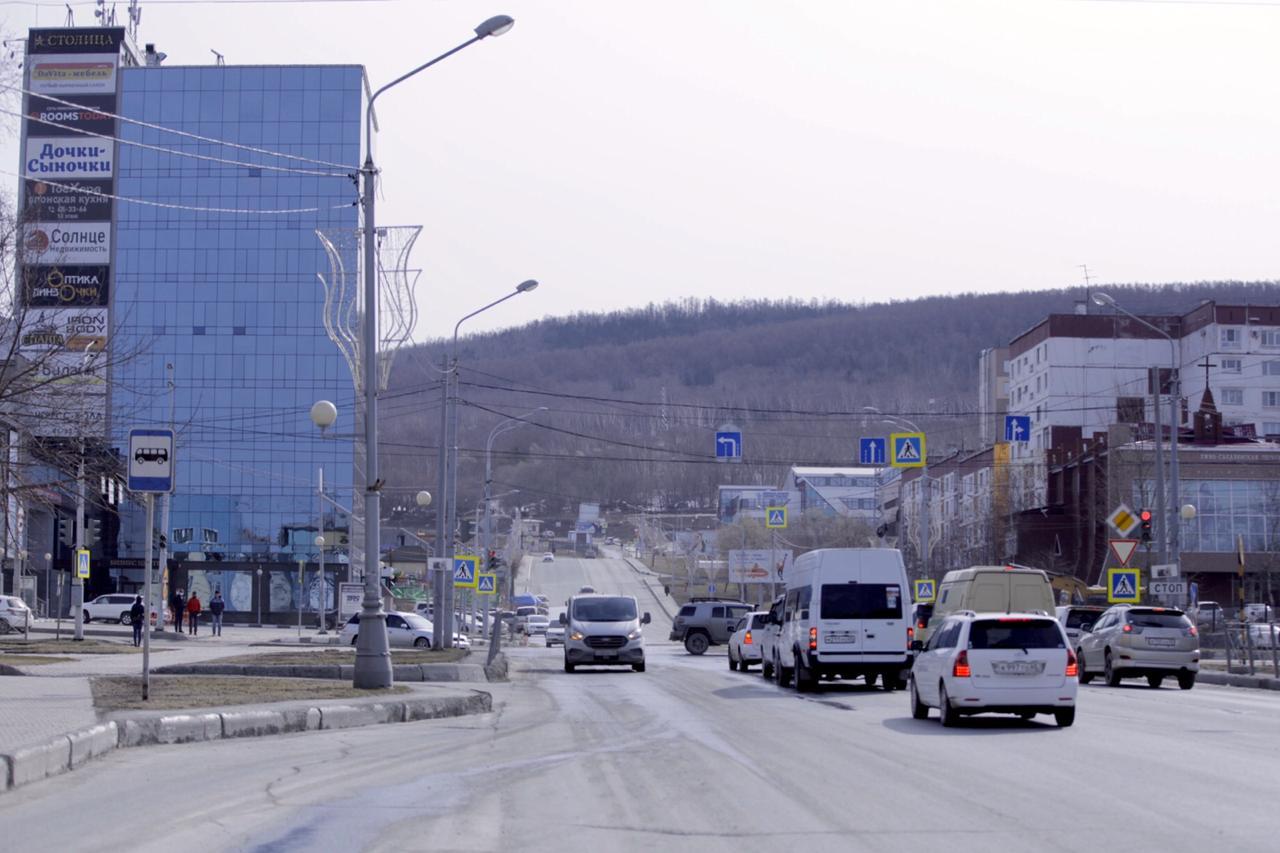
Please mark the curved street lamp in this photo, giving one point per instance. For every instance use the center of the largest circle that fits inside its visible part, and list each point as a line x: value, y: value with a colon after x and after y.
x: 373, y: 654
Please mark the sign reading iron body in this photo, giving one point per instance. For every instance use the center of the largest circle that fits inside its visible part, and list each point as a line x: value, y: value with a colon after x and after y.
x: 75, y: 329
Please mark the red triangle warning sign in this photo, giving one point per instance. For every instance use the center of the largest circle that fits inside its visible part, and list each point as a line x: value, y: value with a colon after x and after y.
x: 1123, y: 549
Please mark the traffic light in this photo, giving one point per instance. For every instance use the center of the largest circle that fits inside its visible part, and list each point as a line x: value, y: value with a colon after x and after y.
x: 92, y: 532
x: 493, y: 561
x: 1144, y: 518
x: 67, y: 532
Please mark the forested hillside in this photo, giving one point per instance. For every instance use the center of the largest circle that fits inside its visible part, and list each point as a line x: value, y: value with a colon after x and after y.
x: 632, y: 397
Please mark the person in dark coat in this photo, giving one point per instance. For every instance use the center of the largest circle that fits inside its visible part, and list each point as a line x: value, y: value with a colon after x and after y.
x: 216, y: 606
x: 178, y: 603
x: 138, y: 616
x: 193, y: 614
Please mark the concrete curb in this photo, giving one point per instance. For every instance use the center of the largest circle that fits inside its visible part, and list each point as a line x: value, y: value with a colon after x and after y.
x: 67, y: 752
x: 643, y: 572
x: 1256, y: 682
x: 401, y: 672
x: 5, y: 669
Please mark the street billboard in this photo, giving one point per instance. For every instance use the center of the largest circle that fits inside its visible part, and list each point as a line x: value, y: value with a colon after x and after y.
x: 759, y: 565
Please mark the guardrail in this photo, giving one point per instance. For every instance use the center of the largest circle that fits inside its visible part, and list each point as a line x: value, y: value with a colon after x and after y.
x: 1246, y: 646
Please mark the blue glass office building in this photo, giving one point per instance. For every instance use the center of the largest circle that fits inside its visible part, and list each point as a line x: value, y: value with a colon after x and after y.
x: 233, y: 300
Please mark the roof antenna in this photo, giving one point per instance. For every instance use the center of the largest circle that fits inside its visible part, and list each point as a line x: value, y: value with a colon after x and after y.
x: 220, y: 60
x: 1087, y: 283
x: 71, y: 17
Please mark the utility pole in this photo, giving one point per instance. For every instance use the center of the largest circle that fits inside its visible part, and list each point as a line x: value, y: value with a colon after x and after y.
x: 77, y: 583
x: 166, y: 500
x: 444, y: 577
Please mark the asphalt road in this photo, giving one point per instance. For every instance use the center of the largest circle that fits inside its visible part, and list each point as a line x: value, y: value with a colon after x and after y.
x: 689, y: 756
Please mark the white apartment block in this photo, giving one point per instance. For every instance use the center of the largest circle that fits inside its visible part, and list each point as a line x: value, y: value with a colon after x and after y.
x: 1075, y: 374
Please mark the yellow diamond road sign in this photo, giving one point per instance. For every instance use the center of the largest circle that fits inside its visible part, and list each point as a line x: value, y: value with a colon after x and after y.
x: 1123, y: 520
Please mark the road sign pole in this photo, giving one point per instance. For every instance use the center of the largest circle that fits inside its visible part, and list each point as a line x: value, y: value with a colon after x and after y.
x: 146, y: 613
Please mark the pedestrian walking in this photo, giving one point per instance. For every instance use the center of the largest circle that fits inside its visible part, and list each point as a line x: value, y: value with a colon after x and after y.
x: 216, y: 606
x: 138, y: 616
x: 178, y: 602
x: 193, y: 614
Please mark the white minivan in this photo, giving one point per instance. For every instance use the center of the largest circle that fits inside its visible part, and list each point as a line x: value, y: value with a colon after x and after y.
x: 845, y: 614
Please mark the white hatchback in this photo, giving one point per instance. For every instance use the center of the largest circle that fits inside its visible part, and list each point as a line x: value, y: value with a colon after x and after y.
x: 744, y: 645
x: 1001, y: 663
x: 403, y: 629
x: 14, y: 614
x: 114, y: 607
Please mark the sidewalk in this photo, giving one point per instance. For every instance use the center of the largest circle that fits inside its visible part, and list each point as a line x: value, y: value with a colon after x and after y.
x: 32, y: 710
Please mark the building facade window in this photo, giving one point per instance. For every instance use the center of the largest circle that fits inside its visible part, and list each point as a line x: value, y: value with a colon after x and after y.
x: 1230, y: 365
x: 1229, y: 338
x: 1225, y: 511
x: 1271, y: 399
x: 1271, y: 368
x: 1233, y: 396
x: 1271, y: 338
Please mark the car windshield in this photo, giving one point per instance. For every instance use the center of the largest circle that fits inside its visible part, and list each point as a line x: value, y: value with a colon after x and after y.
x: 539, y: 619
x: 861, y: 601
x: 416, y: 621
x: 1015, y: 633
x: 1157, y: 619
x: 604, y: 609
x: 1077, y: 618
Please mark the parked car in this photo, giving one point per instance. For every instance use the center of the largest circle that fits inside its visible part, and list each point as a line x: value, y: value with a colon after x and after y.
x: 706, y: 622
x: 535, y: 624
x: 991, y: 589
x: 1003, y: 663
x: 603, y: 629
x: 555, y: 635
x: 114, y: 607
x: 548, y: 557
x: 1264, y: 635
x: 14, y: 614
x: 586, y: 590
x: 403, y: 629
x: 1132, y: 641
x: 1258, y: 612
x: 1076, y: 618
x: 845, y: 615
x: 768, y: 636
x: 744, y: 645
x: 1210, y: 615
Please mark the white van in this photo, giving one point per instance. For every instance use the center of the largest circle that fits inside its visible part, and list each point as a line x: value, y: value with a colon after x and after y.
x: 991, y: 589
x: 846, y: 614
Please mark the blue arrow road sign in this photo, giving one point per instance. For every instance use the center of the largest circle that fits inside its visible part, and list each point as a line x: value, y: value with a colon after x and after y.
x: 728, y: 445
x: 1017, y: 427
x: 872, y: 451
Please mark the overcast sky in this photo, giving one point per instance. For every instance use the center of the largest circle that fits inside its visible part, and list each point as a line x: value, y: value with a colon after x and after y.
x: 625, y: 152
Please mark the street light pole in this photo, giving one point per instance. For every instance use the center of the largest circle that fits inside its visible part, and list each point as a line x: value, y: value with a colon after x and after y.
x: 1172, y: 521
x: 373, y: 656
x: 925, y: 531
x: 448, y: 515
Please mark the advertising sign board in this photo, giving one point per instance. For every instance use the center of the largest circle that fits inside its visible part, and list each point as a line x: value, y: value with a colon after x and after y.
x: 66, y: 243
x: 759, y: 565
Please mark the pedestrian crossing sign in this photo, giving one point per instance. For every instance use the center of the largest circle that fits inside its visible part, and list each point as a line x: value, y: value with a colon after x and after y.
x: 487, y: 584
x: 775, y: 517
x: 1123, y: 586
x: 465, y: 571
x: 908, y: 450
x: 926, y: 591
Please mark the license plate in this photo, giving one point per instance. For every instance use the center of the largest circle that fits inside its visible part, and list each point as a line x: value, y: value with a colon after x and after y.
x: 1160, y: 641
x: 840, y: 637
x: 1018, y: 667
x: 607, y: 655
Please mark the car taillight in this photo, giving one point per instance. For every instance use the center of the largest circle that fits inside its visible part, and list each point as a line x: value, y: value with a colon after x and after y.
x: 1191, y: 631
x: 747, y: 638
x: 1128, y: 629
x: 911, y: 635
x: 960, y: 669
x: 813, y: 639
x: 1072, y: 669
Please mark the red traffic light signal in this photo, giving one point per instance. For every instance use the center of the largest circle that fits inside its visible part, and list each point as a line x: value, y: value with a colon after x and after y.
x: 1145, y: 518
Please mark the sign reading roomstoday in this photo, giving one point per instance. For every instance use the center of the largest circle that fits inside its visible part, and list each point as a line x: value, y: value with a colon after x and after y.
x: 68, y: 170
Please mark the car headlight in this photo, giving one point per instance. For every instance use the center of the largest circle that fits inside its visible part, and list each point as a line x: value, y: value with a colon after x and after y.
x: 635, y: 635
x: 577, y: 636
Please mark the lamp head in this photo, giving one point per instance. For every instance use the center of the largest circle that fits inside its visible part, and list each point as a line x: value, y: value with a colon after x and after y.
x: 1100, y: 298
x: 495, y: 26
x: 323, y: 414
x: 526, y: 286
x: 320, y: 541
x: 423, y: 498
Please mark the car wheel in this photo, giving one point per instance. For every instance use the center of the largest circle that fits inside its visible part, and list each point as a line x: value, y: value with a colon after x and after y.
x: 637, y: 667
x: 733, y: 664
x: 354, y: 638
x: 946, y: 713
x: 1186, y: 680
x: 1027, y: 716
x: 568, y: 667
x: 1064, y: 717
x: 1155, y: 681
x: 4, y: 626
x: 1109, y: 672
x: 84, y: 617
x: 126, y: 618
x: 696, y: 643
x: 784, y: 674
x: 766, y: 668
x: 421, y: 643
x: 1081, y: 670
x: 806, y: 679
x: 919, y: 710
x: 871, y: 679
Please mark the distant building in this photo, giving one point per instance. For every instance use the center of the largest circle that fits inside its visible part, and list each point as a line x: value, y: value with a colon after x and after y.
x: 835, y: 491
x: 993, y: 393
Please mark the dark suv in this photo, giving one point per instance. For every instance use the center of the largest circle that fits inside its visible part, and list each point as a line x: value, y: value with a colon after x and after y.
x: 705, y: 622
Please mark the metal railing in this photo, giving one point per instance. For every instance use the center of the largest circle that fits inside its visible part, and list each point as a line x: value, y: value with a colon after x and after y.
x: 1247, y: 647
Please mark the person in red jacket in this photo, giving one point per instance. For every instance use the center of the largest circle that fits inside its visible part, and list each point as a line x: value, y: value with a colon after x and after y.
x: 193, y: 613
